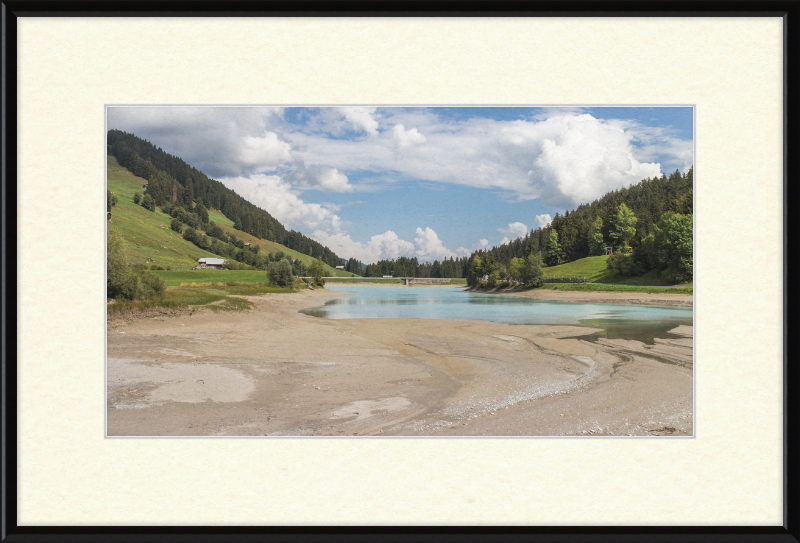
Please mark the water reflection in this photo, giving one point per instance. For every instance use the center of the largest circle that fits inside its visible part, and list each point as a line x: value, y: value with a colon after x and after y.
x: 644, y: 330
x: 616, y: 321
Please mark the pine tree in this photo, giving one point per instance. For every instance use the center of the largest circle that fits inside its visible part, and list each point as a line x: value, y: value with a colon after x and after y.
x: 597, y: 244
x: 148, y: 203
x: 554, y: 253
x: 202, y: 213
x: 475, y: 271
x: 531, y: 273
x: 623, y: 231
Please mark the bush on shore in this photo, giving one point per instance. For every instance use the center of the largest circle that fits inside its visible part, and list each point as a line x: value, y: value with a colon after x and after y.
x: 526, y: 271
x: 280, y: 274
x: 124, y: 281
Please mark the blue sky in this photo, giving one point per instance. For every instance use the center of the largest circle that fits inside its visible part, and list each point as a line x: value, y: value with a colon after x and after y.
x: 431, y: 182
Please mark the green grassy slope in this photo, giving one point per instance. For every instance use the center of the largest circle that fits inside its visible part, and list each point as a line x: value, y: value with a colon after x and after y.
x: 150, y: 229
x: 142, y: 230
x: 594, y: 268
x: 269, y: 246
x: 176, y: 278
x: 593, y: 287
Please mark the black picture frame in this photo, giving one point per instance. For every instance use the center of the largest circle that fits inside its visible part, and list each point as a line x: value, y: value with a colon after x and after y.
x: 13, y: 9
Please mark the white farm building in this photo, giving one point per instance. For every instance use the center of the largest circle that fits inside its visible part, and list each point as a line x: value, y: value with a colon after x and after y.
x: 213, y: 263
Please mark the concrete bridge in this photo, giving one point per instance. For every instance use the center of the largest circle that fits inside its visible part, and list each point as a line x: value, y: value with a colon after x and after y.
x: 408, y: 281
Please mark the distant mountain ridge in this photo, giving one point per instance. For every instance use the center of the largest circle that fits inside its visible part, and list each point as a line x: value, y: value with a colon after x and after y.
x: 171, y: 179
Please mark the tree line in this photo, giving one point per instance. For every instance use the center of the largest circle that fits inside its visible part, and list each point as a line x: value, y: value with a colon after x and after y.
x: 486, y: 270
x: 172, y: 180
x: 281, y: 273
x: 453, y: 268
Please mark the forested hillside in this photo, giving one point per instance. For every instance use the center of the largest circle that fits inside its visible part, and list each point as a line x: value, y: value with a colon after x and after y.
x: 576, y: 230
x: 171, y: 237
x: 647, y: 229
x: 172, y: 181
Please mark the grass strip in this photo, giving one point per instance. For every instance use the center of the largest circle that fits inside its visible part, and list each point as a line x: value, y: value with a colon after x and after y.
x: 129, y: 307
x: 592, y: 287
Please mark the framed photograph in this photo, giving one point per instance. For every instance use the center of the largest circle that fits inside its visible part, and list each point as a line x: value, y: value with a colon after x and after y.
x: 408, y: 273
x: 408, y: 322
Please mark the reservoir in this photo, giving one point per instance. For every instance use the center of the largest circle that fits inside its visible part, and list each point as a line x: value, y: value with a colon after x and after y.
x: 641, y: 323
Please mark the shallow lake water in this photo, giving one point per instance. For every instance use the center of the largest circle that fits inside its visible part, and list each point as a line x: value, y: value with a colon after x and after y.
x: 641, y: 323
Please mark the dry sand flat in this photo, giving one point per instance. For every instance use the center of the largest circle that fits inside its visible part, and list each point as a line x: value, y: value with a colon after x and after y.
x: 273, y: 371
x: 634, y: 298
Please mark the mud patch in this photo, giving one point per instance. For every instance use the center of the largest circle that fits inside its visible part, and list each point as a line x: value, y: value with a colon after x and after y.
x: 175, y: 382
x: 363, y: 409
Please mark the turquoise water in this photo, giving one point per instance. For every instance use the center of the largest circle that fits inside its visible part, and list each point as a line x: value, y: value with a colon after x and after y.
x: 642, y: 323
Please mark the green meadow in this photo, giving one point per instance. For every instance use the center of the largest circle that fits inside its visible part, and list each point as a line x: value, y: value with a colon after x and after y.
x: 147, y: 234
x: 595, y: 271
x: 593, y: 287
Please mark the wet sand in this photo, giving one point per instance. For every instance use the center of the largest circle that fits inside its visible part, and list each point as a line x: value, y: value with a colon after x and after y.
x: 272, y: 371
x: 664, y: 299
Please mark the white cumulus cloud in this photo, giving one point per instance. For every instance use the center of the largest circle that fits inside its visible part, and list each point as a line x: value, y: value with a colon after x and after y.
x: 380, y: 246
x: 391, y: 246
x: 427, y: 246
x: 320, y: 178
x: 542, y: 220
x: 332, y: 181
x: 275, y: 195
x: 264, y: 152
x: 514, y: 229
x: 406, y: 138
x: 581, y: 158
x: 430, y: 247
x: 361, y: 117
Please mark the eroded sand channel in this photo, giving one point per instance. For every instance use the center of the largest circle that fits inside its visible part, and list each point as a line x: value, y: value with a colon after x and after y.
x: 273, y: 371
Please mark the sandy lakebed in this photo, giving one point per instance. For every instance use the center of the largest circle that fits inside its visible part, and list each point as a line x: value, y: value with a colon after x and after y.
x: 273, y: 371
